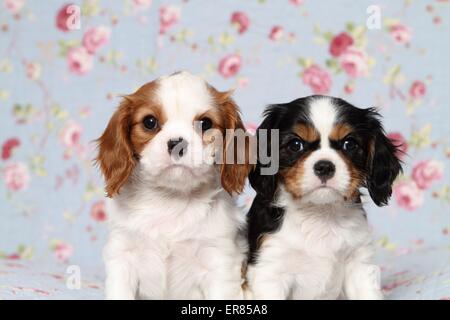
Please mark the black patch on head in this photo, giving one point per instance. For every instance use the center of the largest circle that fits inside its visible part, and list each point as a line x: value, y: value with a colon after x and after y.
x: 282, y: 117
x: 264, y: 217
x: 376, y: 155
x: 383, y: 169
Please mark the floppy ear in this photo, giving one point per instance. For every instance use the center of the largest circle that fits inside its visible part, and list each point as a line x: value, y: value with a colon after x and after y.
x: 233, y: 175
x: 384, y: 167
x: 116, y: 157
x: 265, y: 185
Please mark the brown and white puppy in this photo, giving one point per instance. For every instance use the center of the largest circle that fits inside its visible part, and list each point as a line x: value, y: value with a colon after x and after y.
x: 307, y: 230
x: 174, y: 227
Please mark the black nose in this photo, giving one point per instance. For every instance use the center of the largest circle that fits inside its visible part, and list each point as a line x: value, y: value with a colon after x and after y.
x: 177, y: 147
x: 324, y: 169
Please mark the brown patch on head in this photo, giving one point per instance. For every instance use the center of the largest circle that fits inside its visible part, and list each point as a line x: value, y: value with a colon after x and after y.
x: 307, y: 132
x: 357, y: 176
x: 125, y: 136
x: 356, y: 179
x: 340, y: 131
x: 217, y: 123
x: 292, y: 176
x: 233, y: 175
x: 215, y: 117
x: 140, y: 135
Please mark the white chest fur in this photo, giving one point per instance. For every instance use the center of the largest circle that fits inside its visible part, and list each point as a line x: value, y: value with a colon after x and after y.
x: 310, y: 251
x: 172, y: 245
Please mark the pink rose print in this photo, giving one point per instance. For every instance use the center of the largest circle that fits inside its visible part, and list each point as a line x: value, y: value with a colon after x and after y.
x: 71, y: 134
x: 79, y: 150
x: 349, y: 88
x: 98, y: 212
x: 168, y: 16
x: 296, y: 2
x: 85, y: 111
x: 33, y: 70
x: 276, y: 33
x: 354, y: 62
x: 13, y: 256
x: 318, y: 79
x: 400, y: 33
x: 241, y: 21
x: 408, y: 195
x: 95, y: 38
x: 142, y: 4
x: 340, y: 43
x: 426, y: 172
x: 230, y: 65
x: 16, y: 176
x: 251, y: 128
x: 14, y: 6
x: 243, y: 82
x: 79, y: 60
x: 399, y: 140
x: 417, y: 89
x: 63, y: 251
x: 65, y: 17
x: 8, y: 147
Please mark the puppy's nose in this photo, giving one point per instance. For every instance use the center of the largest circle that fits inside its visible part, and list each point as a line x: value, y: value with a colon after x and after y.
x: 177, y: 147
x: 324, y: 169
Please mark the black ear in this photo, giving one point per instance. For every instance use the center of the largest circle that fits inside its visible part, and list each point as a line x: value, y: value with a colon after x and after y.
x: 384, y: 167
x: 265, y: 185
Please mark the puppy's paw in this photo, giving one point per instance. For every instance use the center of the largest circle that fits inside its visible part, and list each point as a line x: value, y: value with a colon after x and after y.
x: 364, y: 284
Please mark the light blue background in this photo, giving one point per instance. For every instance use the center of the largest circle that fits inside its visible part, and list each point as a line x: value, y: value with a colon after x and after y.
x: 273, y: 74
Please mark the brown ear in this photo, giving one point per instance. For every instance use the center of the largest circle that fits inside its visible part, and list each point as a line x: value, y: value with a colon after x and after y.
x: 115, y: 155
x: 233, y: 175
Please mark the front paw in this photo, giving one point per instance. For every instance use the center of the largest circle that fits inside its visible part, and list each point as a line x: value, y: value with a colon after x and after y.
x: 374, y: 287
x: 364, y: 284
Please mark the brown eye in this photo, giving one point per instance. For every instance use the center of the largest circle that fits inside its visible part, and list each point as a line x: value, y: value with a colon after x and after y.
x: 296, y: 145
x: 150, y: 122
x: 206, y: 124
x: 349, y: 144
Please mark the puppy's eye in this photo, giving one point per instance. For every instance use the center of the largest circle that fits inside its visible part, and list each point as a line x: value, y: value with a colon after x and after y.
x: 349, y: 144
x: 296, y: 145
x: 150, y: 122
x: 206, y: 124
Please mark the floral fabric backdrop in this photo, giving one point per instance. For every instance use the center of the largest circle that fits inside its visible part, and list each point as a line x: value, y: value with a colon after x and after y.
x: 61, y: 78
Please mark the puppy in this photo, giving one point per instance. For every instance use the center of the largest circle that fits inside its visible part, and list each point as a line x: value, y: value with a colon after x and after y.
x: 307, y: 229
x: 174, y: 228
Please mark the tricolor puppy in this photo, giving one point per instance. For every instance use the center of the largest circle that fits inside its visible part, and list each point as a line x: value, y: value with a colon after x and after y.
x: 174, y: 228
x: 307, y: 229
